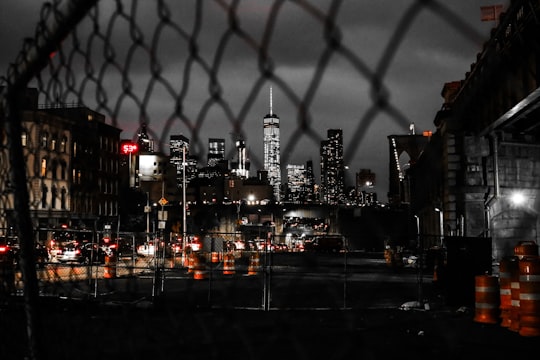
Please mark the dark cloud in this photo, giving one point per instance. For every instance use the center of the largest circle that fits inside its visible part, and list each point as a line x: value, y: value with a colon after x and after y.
x: 438, y: 46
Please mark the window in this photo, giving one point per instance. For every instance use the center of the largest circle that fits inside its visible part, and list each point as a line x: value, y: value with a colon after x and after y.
x: 63, y: 169
x: 54, y: 169
x: 53, y: 197
x: 44, y: 191
x: 43, y: 171
x: 63, y: 144
x: 63, y: 199
x: 53, y: 143
x: 44, y: 139
x: 24, y: 138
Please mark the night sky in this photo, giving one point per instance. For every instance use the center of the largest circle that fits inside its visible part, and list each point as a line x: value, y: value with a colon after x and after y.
x: 410, y: 68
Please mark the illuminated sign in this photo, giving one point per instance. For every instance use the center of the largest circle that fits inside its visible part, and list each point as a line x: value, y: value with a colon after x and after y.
x: 128, y: 148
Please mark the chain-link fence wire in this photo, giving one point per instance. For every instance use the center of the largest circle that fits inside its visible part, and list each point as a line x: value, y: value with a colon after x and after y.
x: 141, y: 62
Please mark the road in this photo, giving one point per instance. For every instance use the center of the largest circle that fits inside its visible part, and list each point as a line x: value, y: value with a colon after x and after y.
x: 280, y: 281
x: 318, y: 307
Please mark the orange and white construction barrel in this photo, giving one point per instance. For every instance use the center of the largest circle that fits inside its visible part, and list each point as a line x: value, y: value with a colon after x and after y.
x: 254, y: 265
x: 486, y: 299
x: 228, y: 264
x: 508, y: 268
x: 529, y: 296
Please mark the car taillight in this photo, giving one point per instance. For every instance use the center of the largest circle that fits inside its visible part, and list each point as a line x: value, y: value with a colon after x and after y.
x: 3, y: 249
x: 78, y: 251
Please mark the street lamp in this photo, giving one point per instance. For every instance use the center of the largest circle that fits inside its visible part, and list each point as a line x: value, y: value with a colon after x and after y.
x: 517, y: 198
x: 420, y: 260
x: 147, y: 210
x: 441, y: 225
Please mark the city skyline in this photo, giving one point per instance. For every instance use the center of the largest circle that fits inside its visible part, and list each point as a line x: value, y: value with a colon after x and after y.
x: 412, y: 67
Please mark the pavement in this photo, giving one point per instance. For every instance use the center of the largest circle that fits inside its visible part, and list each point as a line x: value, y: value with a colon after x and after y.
x: 165, y: 329
x: 174, y: 325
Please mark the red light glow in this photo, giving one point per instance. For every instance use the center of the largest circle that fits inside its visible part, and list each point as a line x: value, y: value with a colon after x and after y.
x: 128, y: 148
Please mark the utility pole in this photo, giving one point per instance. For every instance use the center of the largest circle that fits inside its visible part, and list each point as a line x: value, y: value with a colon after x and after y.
x: 184, y: 222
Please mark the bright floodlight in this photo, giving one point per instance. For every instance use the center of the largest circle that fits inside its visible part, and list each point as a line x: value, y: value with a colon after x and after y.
x: 517, y: 198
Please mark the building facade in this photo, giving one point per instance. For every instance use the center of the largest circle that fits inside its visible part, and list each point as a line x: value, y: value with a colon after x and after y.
x: 332, y: 168
x: 485, y: 154
x: 72, y: 161
x: 296, y: 183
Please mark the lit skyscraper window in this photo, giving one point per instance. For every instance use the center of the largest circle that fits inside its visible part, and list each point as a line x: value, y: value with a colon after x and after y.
x: 216, y: 151
x: 332, y: 168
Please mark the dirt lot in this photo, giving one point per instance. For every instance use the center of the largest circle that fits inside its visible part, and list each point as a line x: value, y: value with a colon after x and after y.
x: 164, y: 330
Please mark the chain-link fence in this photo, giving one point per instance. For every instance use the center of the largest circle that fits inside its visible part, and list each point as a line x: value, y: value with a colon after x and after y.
x: 163, y: 64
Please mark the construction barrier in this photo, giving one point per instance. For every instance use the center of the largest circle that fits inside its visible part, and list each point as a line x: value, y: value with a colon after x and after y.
x: 529, y: 296
x: 185, y: 258
x: 514, y: 292
x: 254, y: 265
x: 228, y: 264
x: 214, y: 257
x: 508, y: 268
x: 109, y: 270
x: 191, y: 260
x: 393, y: 258
x: 199, y: 268
x: 526, y: 248
x: 486, y: 299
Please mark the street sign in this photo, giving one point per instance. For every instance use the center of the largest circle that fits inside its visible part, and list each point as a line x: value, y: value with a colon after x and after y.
x: 163, y: 201
x: 162, y: 215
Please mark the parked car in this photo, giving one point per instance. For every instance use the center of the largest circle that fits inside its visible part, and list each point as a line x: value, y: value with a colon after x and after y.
x: 7, y: 254
x: 324, y: 244
x: 175, y: 248
x: 281, y: 247
x: 194, y: 244
x: 146, y: 249
x: 94, y: 253
x: 236, y: 245
x: 54, y: 249
x: 11, y: 245
x: 87, y: 253
x: 264, y: 245
x: 71, y: 252
x: 123, y: 247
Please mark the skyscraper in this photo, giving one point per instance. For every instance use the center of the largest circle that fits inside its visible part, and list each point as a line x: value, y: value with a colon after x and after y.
x: 272, y: 150
x: 216, y: 151
x: 179, y: 144
x: 242, y: 166
x: 296, y: 182
x: 310, y: 182
x: 332, y: 168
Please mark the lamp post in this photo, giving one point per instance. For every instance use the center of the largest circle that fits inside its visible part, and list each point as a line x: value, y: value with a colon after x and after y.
x: 129, y: 148
x: 184, y: 222
x: 420, y: 245
x: 441, y: 226
x: 147, y: 210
